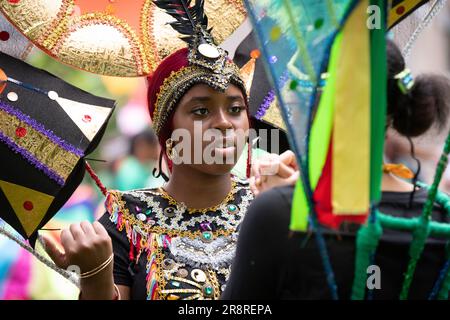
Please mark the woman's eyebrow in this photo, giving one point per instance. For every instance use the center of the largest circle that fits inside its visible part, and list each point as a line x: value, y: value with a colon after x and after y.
x: 209, y: 98
x: 199, y: 99
x: 235, y: 97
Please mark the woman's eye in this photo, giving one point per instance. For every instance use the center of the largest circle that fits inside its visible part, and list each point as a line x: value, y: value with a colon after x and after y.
x: 200, y: 111
x: 236, y: 109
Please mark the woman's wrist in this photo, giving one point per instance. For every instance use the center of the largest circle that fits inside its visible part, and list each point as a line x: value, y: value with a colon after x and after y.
x: 115, y: 295
x: 100, y: 286
x: 93, y: 272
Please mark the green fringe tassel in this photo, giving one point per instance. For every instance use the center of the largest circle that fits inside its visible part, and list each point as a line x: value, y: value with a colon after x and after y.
x: 421, y: 233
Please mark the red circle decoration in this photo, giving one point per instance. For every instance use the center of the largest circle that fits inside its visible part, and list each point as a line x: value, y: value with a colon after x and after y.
x: 28, y: 205
x: 14, y: 1
x: 21, y: 132
x: 400, y: 10
x: 87, y: 118
x: 4, y: 35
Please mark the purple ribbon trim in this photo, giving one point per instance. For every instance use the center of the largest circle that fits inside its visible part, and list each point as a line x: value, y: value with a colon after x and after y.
x: 30, y: 158
x: 268, y: 99
x: 40, y: 128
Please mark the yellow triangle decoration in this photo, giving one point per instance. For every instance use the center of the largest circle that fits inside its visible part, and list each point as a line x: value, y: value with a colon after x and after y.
x: 89, y: 118
x: 29, y: 205
x: 406, y: 6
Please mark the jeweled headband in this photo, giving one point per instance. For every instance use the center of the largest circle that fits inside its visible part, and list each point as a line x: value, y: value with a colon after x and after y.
x: 207, y: 62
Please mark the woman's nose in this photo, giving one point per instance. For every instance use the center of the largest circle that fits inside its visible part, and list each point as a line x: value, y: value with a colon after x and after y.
x: 222, y: 121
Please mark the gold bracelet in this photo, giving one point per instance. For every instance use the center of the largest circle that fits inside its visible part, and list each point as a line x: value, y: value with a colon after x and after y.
x: 98, y: 269
x: 117, y: 296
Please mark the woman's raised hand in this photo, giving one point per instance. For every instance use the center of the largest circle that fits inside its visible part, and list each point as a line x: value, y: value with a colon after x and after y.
x: 273, y: 171
x: 87, y: 247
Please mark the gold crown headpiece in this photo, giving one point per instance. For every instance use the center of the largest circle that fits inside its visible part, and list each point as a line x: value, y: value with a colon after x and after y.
x: 208, y: 63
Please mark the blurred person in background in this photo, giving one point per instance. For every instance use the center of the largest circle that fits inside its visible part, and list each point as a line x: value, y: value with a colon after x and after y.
x: 427, y: 151
x: 134, y: 171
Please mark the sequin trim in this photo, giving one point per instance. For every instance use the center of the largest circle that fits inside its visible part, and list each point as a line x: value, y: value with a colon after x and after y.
x: 40, y: 128
x: 37, y: 145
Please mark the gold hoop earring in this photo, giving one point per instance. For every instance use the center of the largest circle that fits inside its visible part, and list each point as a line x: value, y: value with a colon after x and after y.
x: 170, y: 150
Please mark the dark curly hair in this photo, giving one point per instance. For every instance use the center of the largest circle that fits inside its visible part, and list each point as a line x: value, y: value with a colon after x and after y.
x: 425, y: 105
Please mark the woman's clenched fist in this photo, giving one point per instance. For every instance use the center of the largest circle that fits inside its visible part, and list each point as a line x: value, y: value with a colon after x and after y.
x: 86, y: 245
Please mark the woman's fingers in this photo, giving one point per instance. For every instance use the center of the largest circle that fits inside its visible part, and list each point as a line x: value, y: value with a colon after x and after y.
x: 77, y: 233
x: 292, y: 180
x: 58, y: 257
x: 88, y: 229
x: 86, y: 245
x: 253, y: 187
x: 99, y: 229
x: 268, y: 165
x: 288, y: 158
x: 284, y: 171
x: 255, y: 169
x: 251, y: 183
x: 283, y: 165
x: 274, y: 170
x: 67, y: 239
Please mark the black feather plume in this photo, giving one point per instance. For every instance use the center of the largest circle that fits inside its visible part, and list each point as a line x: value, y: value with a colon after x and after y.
x: 187, y: 17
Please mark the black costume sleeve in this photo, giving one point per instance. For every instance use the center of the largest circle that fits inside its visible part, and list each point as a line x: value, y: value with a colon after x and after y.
x: 259, y: 258
x: 121, y: 248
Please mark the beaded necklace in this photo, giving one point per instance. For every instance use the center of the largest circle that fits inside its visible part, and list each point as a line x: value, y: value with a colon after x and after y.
x: 229, y: 197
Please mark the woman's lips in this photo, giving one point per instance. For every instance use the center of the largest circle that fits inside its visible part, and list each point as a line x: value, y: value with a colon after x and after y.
x: 225, y: 143
x: 226, y: 148
x: 225, y: 155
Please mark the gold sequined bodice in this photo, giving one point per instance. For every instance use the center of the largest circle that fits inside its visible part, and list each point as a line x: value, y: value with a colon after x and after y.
x: 188, y: 254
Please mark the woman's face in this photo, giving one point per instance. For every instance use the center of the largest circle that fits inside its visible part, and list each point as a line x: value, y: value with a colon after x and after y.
x: 216, y: 124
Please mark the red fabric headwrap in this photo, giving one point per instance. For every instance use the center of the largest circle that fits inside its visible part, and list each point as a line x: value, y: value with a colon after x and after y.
x: 172, y: 63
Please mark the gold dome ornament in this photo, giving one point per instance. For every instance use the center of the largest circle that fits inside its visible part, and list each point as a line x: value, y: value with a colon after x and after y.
x: 208, y: 51
x: 114, y: 38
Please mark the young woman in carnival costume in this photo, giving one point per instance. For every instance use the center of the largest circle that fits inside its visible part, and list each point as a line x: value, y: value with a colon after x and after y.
x: 177, y: 241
